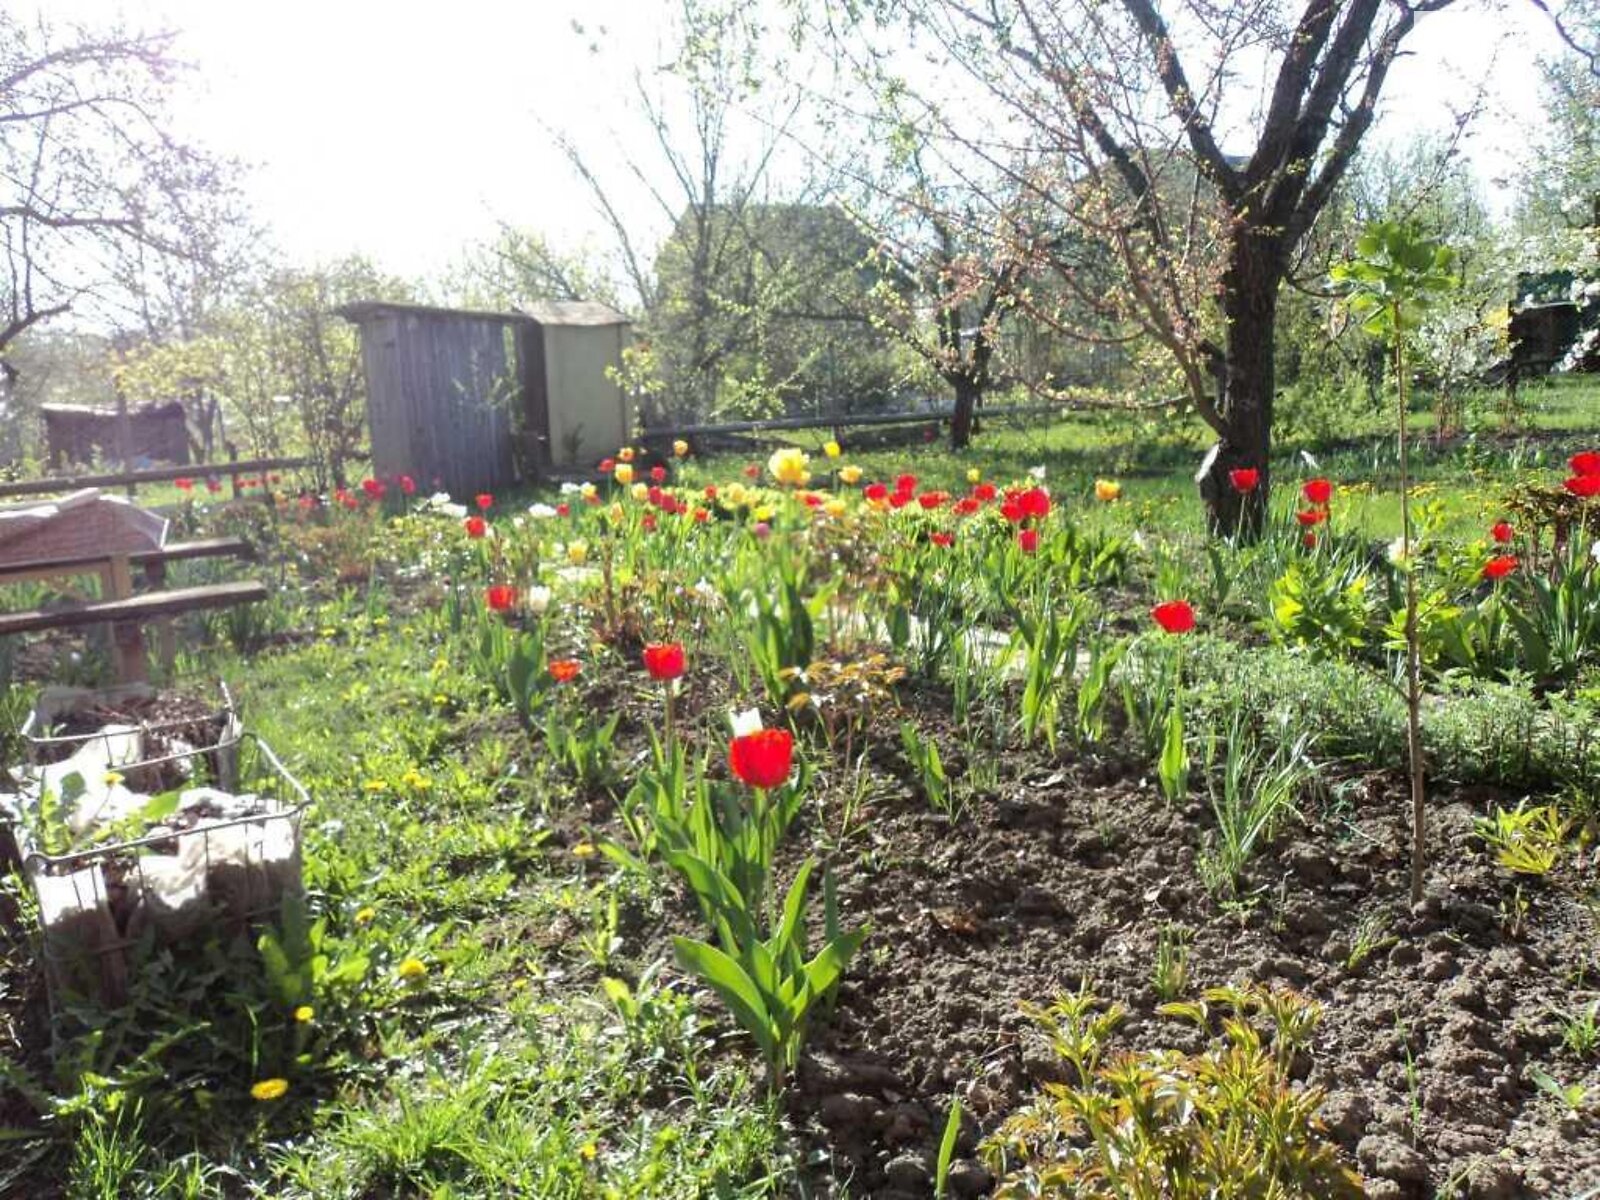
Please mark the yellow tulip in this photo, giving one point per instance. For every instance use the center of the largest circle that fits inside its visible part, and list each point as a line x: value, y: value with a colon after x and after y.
x: 850, y: 475
x: 790, y: 465
x: 831, y: 449
x: 615, y: 512
x: 624, y: 474
x: 588, y: 491
x: 974, y: 475
x: 577, y: 552
x: 680, y: 447
x: 763, y: 512
x: 1107, y: 490
x: 625, y: 455
x: 835, y: 508
x: 641, y: 491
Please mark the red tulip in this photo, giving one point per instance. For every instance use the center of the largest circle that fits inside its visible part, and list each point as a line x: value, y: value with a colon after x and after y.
x: 1311, y: 516
x: 485, y: 501
x: 762, y: 759
x: 1585, y: 462
x: 984, y: 492
x: 942, y: 539
x: 1502, y: 532
x: 966, y: 506
x: 183, y: 485
x: 1035, y: 502
x: 565, y: 670
x: 373, y: 488
x: 753, y: 471
x: 1308, y: 540
x: 648, y: 522
x: 563, y: 509
x: 658, y: 474
x: 906, y: 483
x: 306, y: 503
x: 500, y: 596
x: 711, y: 491
x: 1175, y: 616
x: 932, y: 500
x: 899, y: 499
x: 213, y: 485
x: 1244, y: 479
x: 701, y: 516
x: 875, y: 491
x: 476, y: 527
x: 1587, y: 486
x: 408, y: 485
x: 664, y: 660
x: 1500, y: 566
x: 1317, y: 491
x: 1011, y: 510
x: 607, y: 465
x: 1028, y: 539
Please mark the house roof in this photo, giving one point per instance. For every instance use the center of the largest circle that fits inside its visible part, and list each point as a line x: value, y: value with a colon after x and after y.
x: 547, y: 312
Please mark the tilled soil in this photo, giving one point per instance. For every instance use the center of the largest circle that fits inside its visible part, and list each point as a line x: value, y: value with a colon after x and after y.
x: 1071, y: 875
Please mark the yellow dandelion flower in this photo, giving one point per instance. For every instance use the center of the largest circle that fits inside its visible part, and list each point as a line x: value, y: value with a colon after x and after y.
x: 328, y: 631
x: 831, y: 449
x: 441, y: 699
x: 269, y: 1089
x: 589, y: 1151
x: 304, y: 1014
x: 412, y: 969
x: 850, y: 475
x: 365, y: 915
x: 380, y: 622
x: 112, y: 778
x: 584, y: 850
x: 376, y: 785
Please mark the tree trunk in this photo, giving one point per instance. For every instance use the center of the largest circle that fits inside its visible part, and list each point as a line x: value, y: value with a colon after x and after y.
x: 961, y: 421
x: 1245, y: 384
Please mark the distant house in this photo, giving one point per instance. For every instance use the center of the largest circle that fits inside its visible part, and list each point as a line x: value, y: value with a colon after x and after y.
x: 157, y: 433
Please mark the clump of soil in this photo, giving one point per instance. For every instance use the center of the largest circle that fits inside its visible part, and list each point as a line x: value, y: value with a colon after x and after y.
x: 1433, y: 1014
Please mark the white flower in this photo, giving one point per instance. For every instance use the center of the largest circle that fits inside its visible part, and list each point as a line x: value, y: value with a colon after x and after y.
x: 1397, y: 552
x: 746, y: 722
x: 1038, y: 473
x: 1138, y: 539
x: 705, y: 592
x: 571, y: 489
x: 440, y: 503
x: 541, y: 512
x: 1309, y: 461
x: 538, y: 600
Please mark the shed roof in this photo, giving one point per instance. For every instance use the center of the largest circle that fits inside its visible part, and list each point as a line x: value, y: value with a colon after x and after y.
x: 546, y: 312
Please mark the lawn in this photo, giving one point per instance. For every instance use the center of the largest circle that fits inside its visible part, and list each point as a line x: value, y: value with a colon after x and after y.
x: 1001, y: 833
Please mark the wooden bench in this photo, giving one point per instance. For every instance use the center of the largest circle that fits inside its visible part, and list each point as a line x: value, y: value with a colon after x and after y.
x: 125, y: 614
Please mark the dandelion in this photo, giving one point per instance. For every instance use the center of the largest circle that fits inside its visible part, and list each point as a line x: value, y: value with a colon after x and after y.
x: 305, y: 1014
x: 412, y: 970
x: 831, y: 449
x: 365, y: 915
x: 584, y: 850
x: 269, y: 1089
x: 112, y: 778
x: 375, y: 785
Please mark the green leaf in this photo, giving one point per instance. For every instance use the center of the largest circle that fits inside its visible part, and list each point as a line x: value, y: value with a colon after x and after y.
x: 728, y: 979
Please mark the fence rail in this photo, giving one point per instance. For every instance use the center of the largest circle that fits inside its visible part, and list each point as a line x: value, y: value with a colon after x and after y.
x: 132, y: 479
x: 843, y: 420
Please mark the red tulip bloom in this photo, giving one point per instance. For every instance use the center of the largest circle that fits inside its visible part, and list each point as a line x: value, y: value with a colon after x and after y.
x: 408, y: 485
x: 1244, y: 479
x: 664, y: 660
x: 1317, y: 491
x: 1500, y: 566
x: 485, y: 501
x: 1502, y: 532
x: 565, y: 670
x: 899, y: 499
x: 701, y: 516
x: 658, y: 474
x: 476, y: 527
x: 183, y: 485
x: 1028, y: 539
x: 373, y: 488
x: 563, y: 509
x: 1311, y: 516
x: 762, y: 759
x: 1587, y: 486
x: 213, y: 485
x: 875, y: 491
x: 942, y: 539
x: 1011, y: 510
x: 500, y: 596
x: 711, y: 491
x: 1035, y: 502
x: 984, y: 492
x: 307, y: 503
x: 932, y: 500
x: 607, y: 465
x: 1175, y: 616
x: 753, y: 471
x: 1585, y: 462
x: 1308, y: 540
x: 648, y: 522
x: 906, y: 484
x: 966, y: 506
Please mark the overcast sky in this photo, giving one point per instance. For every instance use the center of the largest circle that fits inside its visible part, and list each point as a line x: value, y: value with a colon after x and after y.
x: 404, y: 129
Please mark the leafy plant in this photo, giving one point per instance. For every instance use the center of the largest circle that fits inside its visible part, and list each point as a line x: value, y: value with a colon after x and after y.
x: 1525, y: 841
x: 923, y: 755
x: 1160, y: 1125
x: 947, y: 1150
x: 1324, y: 604
x: 1574, y: 1097
x: 1170, y: 975
x: 1251, y: 793
x: 1580, y: 1030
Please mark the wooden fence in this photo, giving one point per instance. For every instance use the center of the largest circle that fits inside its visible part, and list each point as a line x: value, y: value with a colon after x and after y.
x: 131, y: 480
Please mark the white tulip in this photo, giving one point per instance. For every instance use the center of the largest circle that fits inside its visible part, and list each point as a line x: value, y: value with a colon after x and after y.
x: 745, y: 723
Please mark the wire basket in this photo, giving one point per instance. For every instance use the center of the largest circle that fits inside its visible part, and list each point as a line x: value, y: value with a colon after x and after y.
x: 220, y: 863
x: 215, y: 735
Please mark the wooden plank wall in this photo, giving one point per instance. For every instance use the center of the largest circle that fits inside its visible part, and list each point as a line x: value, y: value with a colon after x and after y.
x: 440, y: 392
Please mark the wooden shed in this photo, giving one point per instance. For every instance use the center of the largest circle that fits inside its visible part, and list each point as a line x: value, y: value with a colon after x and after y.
x: 470, y: 401
x: 78, y: 434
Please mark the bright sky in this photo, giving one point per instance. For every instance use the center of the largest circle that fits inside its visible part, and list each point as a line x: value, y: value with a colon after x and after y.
x: 405, y: 129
